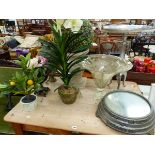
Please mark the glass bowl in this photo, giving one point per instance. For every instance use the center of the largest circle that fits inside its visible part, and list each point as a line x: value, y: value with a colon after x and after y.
x: 104, y: 67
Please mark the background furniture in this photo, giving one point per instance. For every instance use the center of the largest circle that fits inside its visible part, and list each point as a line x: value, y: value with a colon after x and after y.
x: 141, y: 78
x: 35, y: 26
x: 151, y: 50
x: 107, y: 47
x: 10, y: 26
x: 4, y: 54
x: 138, y: 43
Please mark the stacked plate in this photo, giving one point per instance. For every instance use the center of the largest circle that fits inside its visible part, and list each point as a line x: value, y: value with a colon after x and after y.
x: 127, y: 112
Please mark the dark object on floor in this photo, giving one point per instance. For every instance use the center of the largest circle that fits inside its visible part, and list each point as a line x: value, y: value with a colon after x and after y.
x: 12, y: 43
x: 43, y: 92
x: 8, y: 63
x: 4, y: 54
x: 10, y: 104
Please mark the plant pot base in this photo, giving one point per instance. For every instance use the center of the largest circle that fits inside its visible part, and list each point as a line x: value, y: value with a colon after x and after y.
x: 29, y: 104
x: 68, y: 94
x: 29, y: 99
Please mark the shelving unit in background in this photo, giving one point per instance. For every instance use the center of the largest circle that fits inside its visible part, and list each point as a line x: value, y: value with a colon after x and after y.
x: 33, y: 26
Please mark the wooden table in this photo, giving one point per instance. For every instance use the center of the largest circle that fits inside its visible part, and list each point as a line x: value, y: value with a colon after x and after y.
x: 54, y: 117
x: 141, y: 77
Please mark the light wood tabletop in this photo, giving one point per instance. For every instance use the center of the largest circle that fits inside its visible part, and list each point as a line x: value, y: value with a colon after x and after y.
x: 52, y: 113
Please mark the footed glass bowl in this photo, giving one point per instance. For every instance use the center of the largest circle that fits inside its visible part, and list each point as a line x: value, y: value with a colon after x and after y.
x: 104, y: 67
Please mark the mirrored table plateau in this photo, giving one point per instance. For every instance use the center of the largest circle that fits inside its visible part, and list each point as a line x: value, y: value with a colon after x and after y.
x: 127, y: 112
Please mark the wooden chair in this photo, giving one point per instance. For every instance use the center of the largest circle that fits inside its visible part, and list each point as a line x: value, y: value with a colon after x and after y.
x: 33, y: 26
x: 119, y: 46
x: 107, y: 47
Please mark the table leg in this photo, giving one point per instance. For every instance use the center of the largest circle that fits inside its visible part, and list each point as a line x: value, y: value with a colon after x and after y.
x: 17, y: 128
x: 99, y: 40
x: 123, y: 50
x: 9, y: 104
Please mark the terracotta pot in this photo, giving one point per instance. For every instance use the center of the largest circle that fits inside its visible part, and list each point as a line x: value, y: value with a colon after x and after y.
x: 68, y: 94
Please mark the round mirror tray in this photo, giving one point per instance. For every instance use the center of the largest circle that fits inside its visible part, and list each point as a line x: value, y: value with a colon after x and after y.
x: 127, y: 112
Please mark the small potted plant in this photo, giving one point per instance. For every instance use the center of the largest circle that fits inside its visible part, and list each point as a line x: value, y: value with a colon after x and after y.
x: 63, y: 54
x: 27, y: 80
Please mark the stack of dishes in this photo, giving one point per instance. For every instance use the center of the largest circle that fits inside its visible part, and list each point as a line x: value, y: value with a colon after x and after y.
x: 127, y: 112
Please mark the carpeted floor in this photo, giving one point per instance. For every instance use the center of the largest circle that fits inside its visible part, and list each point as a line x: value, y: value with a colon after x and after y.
x: 5, y: 128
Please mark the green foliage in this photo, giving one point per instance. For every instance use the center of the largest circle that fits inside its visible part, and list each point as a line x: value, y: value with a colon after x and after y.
x: 87, y: 32
x: 62, y: 52
x: 20, y: 79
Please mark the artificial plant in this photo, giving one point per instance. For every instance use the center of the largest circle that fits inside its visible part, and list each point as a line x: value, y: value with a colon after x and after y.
x: 61, y: 52
x: 27, y: 80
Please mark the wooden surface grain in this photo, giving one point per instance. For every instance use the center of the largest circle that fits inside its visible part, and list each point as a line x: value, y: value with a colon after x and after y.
x: 51, y: 112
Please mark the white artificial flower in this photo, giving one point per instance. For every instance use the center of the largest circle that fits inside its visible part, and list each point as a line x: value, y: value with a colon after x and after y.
x: 33, y: 63
x: 94, y: 44
x: 59, y: 23
x: 73, y: 24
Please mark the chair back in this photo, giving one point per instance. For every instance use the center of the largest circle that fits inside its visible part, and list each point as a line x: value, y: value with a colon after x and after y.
x: 107, y: 47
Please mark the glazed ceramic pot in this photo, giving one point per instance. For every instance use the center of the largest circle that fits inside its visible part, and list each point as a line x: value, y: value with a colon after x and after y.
x: 29, y: 102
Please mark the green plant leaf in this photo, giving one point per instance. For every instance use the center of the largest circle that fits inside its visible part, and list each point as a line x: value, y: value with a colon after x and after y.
x: 56, y: 34
x: 2, y: 86
x: 40, y: 80
x: 35, y: 74
x: 18, y: 76
x: 28, y: 57
x: 30, y: 88
x: 18, y: 62
x: 61, y: 53
x: 75, y: 71
x: 76, y: 61
x: 82, y: 48
x: 37, y: 87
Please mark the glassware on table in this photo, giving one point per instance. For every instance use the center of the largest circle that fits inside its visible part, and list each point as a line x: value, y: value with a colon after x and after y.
x: 103, y: 68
